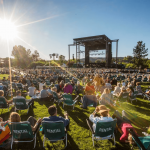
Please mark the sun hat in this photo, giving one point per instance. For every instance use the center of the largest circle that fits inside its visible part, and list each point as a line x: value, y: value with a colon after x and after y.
x: 102, y: 108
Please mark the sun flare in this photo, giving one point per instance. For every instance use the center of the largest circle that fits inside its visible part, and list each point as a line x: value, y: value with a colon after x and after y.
x: 7, y: 30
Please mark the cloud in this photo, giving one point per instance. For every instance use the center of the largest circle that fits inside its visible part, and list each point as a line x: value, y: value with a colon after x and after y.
x: 1, y: 1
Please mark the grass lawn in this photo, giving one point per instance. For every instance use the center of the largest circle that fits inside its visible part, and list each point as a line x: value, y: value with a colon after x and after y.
x: 3, y: 75
x: 78, y: 136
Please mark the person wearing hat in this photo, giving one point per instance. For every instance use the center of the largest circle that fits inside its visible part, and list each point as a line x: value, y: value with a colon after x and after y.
x: 103, y: 111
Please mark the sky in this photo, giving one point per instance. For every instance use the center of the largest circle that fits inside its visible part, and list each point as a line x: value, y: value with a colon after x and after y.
x: 64, y: 20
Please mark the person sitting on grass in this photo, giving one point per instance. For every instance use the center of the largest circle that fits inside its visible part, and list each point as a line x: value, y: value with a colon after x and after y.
x: 68, y: 88
x: 106, y: 97
x: 138, y: 87
x: 32, y: 90
x: 18, y: 96
x: 117, y: 89
x: 123, y: 125
x: 54, y: 89
x: 2, y: 96
x: 90, y: 87
x: 15, y: 117
x: 79, y: 88
x: 52, y: 110
x: 45, y: 95
x: 103, y: 113
x: 88, y: 99
x: 123, y: 90
x: 130, y: 91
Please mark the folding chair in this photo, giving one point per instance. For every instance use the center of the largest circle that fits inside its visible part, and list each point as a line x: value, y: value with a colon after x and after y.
x: 48, y: 82
x: 3, y: 104
x: 22, y: 132
x: 133, y: 97
x: 142, y: 142
x: 56, y: 99
x: 35, y: 83
x: 67, y: 80
x: 104, y: 130
x: 21, y: 104
x: 145, y: 80
x: 54, y: 131
x: 13, y: 86
x: 67, y: 100
x: 124, y: 97
x: 19, y: 86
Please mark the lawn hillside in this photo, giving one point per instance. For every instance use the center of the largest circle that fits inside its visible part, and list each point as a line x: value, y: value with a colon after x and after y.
x: 79, y: 136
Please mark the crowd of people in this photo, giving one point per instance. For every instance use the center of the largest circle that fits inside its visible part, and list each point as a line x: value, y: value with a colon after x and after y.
x: 97, y: 87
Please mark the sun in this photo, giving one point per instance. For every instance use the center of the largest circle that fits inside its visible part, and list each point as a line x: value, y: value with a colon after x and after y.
x: 7, y: 30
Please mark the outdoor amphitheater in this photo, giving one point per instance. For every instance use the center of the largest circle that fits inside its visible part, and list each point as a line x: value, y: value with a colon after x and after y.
x: 65, y: 85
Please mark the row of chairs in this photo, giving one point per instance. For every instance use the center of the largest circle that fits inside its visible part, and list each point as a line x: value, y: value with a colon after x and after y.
x: 20, y: 104
x: 55, y: 131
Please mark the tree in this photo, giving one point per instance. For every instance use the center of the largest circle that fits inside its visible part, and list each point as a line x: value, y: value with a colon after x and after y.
x: 129, y: 59
x: 21, y: 56
x: 28, y: 52
x: 113, y: 60
x: 61, y: 58
x: 35, y: 55
x: 98, y: 61
x: 139, y: 53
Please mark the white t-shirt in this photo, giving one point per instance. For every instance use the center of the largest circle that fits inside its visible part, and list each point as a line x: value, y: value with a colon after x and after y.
x: 41, y: 86
x: 31, y: 91
x: 108, y: 85
x: 98, y: 119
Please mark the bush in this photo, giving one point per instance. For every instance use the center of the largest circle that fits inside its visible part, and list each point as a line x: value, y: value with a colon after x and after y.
x: 130, y: 65
x: 34, y: 64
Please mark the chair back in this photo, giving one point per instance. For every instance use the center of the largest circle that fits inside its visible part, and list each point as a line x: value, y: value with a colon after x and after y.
x: 53, y: 130
x: 55, y: 96
x: 13, y: 85
x: 19, y: 85
x: 34, y: 82
x: 105, y: 128
x: 124, y: 96
x: 134, y: 94
x: 21, y: 130
x: 67, y: 98
x: 47, y: 82
x: 20, y: 103
x: 3, y: 103
x: 137, y: 140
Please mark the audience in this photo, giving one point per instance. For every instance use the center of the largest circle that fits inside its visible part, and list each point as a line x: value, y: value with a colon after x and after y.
x: 104, y: 115
x: 138, y: 87
x: 117, y: 89
x: 88, y: 99
x: 45, y: 95
x: 68, y: 88
x: 52, y: 110
x: 32, y: 90
x: 89, y: 87
x: 2, y: 96
x: 106, y: 97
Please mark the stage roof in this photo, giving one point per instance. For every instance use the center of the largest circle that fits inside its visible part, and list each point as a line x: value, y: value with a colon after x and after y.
x: 92, y: 40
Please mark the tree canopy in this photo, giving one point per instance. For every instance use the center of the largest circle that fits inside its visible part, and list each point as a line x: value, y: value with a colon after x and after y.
x: 139, y: 52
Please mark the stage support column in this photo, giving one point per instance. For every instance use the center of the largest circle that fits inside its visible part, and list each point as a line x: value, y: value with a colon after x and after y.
x: 76, y: 53
x: 69, y: 52
x: 116, y: 53
x: 107, y: 53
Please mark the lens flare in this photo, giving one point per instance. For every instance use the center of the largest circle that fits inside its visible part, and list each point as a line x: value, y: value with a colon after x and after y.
x: 7, y: 30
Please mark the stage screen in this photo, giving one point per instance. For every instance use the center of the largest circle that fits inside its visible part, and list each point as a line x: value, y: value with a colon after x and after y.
x: 97, y: 56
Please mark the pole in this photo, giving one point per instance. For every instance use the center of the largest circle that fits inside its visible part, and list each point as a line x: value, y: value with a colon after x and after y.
x: 106, y: 53
x: 76, y: 53
x: 116, y: 52
x: 69, y: 52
